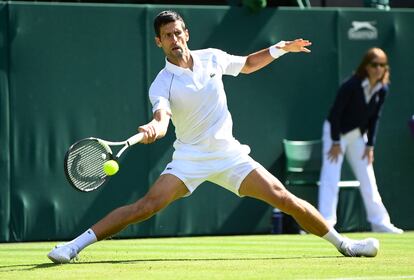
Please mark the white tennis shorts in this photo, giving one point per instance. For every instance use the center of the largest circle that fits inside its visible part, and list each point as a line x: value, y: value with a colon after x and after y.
x: 227, y: 172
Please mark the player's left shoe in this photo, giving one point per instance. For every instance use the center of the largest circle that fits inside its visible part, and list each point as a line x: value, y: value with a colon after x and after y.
x: 359, y: 248
x: 63, y: 253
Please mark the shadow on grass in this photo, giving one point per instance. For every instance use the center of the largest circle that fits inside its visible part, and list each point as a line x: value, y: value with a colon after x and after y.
x: 28, y: 267
x: 208, y: 259
x: 23, y: 267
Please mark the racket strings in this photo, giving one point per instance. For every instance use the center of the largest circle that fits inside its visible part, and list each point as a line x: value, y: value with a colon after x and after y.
x: 85, y: 164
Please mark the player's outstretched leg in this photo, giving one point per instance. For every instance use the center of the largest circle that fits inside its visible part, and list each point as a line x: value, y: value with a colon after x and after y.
x: 166, y: 189
x: 262, y: 185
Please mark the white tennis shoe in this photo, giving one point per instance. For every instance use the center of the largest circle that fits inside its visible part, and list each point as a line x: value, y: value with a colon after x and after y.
x: 63, y: 253
x: 359, y: 248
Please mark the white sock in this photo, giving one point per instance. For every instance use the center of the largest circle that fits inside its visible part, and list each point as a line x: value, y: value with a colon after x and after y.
x: 334, y: 237
x: 85, y: 239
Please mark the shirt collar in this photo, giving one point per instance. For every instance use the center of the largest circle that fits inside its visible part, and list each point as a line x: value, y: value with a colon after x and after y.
x: 368, y: 91
x: 177, y: 70
x: 365, y: 85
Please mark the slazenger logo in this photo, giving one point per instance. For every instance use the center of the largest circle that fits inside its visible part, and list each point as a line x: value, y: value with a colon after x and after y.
x: 363, y: 30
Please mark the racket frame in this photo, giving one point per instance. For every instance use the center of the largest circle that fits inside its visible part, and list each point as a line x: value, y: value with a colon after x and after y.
x: 107, y: 146
x: 127, y: 143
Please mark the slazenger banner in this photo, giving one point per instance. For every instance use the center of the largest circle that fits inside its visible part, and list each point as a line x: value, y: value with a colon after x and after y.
x: 363, y: 30
x: 358, y: 31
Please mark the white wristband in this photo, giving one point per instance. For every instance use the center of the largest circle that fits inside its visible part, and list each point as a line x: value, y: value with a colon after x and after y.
x: 276, y: 52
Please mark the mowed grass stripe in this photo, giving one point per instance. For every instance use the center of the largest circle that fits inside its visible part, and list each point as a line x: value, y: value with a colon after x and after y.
x: 226, y: 257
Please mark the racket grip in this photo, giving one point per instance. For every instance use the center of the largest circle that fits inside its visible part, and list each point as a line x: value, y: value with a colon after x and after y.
x: 135, y: 139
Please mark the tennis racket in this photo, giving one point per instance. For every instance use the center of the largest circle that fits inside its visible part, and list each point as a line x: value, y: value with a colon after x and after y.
x: 85, y: 159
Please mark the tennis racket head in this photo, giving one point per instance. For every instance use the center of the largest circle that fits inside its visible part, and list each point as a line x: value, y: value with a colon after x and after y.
x: 84, y: 164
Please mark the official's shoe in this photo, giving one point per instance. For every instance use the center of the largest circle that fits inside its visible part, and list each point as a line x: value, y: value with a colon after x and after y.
x: 390, y: 228
x: 63, y: 253
x: 359, y: 248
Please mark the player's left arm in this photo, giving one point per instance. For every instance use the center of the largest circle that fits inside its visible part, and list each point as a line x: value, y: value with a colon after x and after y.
x: 260, y: 59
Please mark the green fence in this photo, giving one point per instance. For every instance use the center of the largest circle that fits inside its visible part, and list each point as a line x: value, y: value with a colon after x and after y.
x: 69, y: 71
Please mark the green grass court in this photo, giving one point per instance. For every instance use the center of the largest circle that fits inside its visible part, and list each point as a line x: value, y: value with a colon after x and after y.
x: 222, y: 257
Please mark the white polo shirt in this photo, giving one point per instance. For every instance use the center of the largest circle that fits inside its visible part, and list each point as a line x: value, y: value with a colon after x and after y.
x: 198, y: 105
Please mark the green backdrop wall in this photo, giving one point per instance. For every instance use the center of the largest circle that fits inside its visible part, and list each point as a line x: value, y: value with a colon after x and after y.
x: 4, y: 127
x: 69, y: 71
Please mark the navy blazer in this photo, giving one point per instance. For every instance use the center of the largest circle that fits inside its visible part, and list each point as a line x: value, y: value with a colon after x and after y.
x: 351, y: 111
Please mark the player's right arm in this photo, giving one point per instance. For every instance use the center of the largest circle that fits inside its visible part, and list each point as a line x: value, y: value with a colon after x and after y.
x: 156, y: 128
x: 159, y: 95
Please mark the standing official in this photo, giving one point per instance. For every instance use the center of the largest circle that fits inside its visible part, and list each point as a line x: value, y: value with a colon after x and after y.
x: 350, y: 130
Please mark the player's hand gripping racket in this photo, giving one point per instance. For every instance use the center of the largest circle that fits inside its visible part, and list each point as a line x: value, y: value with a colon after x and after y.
x: 85, y: 160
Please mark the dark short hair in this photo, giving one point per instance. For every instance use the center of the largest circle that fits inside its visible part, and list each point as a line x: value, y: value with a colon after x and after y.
x: 164, y: 18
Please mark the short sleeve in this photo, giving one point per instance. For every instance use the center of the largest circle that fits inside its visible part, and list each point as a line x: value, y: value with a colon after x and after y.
x: 231, y: 64
x: 159, y: 93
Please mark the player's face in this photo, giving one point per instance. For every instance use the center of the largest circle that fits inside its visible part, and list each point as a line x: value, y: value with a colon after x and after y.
x: 173, y: 40
x: 376, y: 68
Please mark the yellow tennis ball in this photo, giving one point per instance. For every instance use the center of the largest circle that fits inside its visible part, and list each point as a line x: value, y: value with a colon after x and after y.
x: 110, y: 167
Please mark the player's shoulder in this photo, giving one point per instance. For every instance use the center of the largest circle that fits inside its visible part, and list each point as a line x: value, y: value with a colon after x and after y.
x: 163, y: 75
x: 208, y: 53
x: 162, y: 79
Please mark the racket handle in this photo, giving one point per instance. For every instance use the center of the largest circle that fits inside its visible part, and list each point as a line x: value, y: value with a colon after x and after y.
x: 135, y: 139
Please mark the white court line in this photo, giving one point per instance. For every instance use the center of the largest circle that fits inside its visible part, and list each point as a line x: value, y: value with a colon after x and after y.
x: 370, y: 277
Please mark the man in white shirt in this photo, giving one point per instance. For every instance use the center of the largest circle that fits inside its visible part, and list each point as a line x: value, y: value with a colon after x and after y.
x: 190, y: 92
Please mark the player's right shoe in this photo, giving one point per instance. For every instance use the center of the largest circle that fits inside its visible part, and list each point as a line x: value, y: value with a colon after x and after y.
x: 359, y: 248
x: 63, y: 253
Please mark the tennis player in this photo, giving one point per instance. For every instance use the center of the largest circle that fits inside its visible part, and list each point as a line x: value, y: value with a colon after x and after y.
x: 190, y: 92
